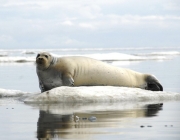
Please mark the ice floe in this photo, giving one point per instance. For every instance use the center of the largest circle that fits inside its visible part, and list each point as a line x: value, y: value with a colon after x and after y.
x: 97, y: 94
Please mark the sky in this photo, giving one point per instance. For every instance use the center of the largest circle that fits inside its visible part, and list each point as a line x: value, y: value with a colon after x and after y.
x: 89, y: 23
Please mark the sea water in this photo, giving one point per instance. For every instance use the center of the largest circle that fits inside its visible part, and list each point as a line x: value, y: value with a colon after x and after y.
x: 127, y: 118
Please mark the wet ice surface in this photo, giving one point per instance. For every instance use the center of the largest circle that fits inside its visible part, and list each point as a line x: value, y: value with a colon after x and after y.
x: 125, y: 120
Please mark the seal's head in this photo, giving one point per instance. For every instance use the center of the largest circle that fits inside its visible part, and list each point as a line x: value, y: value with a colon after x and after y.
x: 43, y: 60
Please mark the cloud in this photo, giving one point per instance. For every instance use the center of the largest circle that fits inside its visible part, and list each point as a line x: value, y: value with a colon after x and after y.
x: 87, y: 25
x: 64, y: 23
x: 172, y: 5
x: 67, y: 22
x: 137, y: 20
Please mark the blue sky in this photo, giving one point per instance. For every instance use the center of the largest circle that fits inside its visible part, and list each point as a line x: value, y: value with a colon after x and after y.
x: 89, y: 23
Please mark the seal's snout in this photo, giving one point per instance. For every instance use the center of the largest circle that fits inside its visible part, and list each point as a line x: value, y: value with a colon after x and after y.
x: 40, y: 59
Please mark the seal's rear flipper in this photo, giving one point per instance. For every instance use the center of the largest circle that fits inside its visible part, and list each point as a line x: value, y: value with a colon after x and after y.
x: 154, y: 87
x: 153, y: 84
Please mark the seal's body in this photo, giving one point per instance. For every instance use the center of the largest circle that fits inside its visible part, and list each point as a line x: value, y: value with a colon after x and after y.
x: 83, y: 71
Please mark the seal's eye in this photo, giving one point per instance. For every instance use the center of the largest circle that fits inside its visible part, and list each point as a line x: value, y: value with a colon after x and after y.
x: 37, y: 56
x: 46, y: 56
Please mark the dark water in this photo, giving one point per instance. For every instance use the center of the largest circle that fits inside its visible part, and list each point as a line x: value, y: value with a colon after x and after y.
x: 90, y: 121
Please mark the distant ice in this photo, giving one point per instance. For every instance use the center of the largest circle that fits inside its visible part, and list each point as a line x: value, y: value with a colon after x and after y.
x: 3, y: 54
x: 18, y: 59
x: 11, y: 93
x: 117, y: 57
x: 29, y: 52
x: 123, y: 57
x: 29, y: 55
x: 167, y: 53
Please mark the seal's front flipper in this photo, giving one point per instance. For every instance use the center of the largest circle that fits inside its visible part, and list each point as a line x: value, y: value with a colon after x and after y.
x: 67, y: 80
x: 153, y: 84
x: 41, y: 86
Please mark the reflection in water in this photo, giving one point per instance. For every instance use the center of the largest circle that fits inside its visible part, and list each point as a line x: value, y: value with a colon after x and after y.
x: 152, y: 109
x: 52, y: 125
x: 81, y: 121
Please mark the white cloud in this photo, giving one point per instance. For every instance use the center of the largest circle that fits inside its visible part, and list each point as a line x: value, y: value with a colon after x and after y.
x: 172, y: 5
x: 87, y: 26
x: 68, y: 22
x: 139, y: 20
x: 107, y: 22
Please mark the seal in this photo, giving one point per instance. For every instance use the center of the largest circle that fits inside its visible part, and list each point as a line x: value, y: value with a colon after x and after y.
x: 83, y: 71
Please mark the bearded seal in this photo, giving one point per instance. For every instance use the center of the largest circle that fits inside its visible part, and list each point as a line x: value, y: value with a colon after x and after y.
x: 83, y: 71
